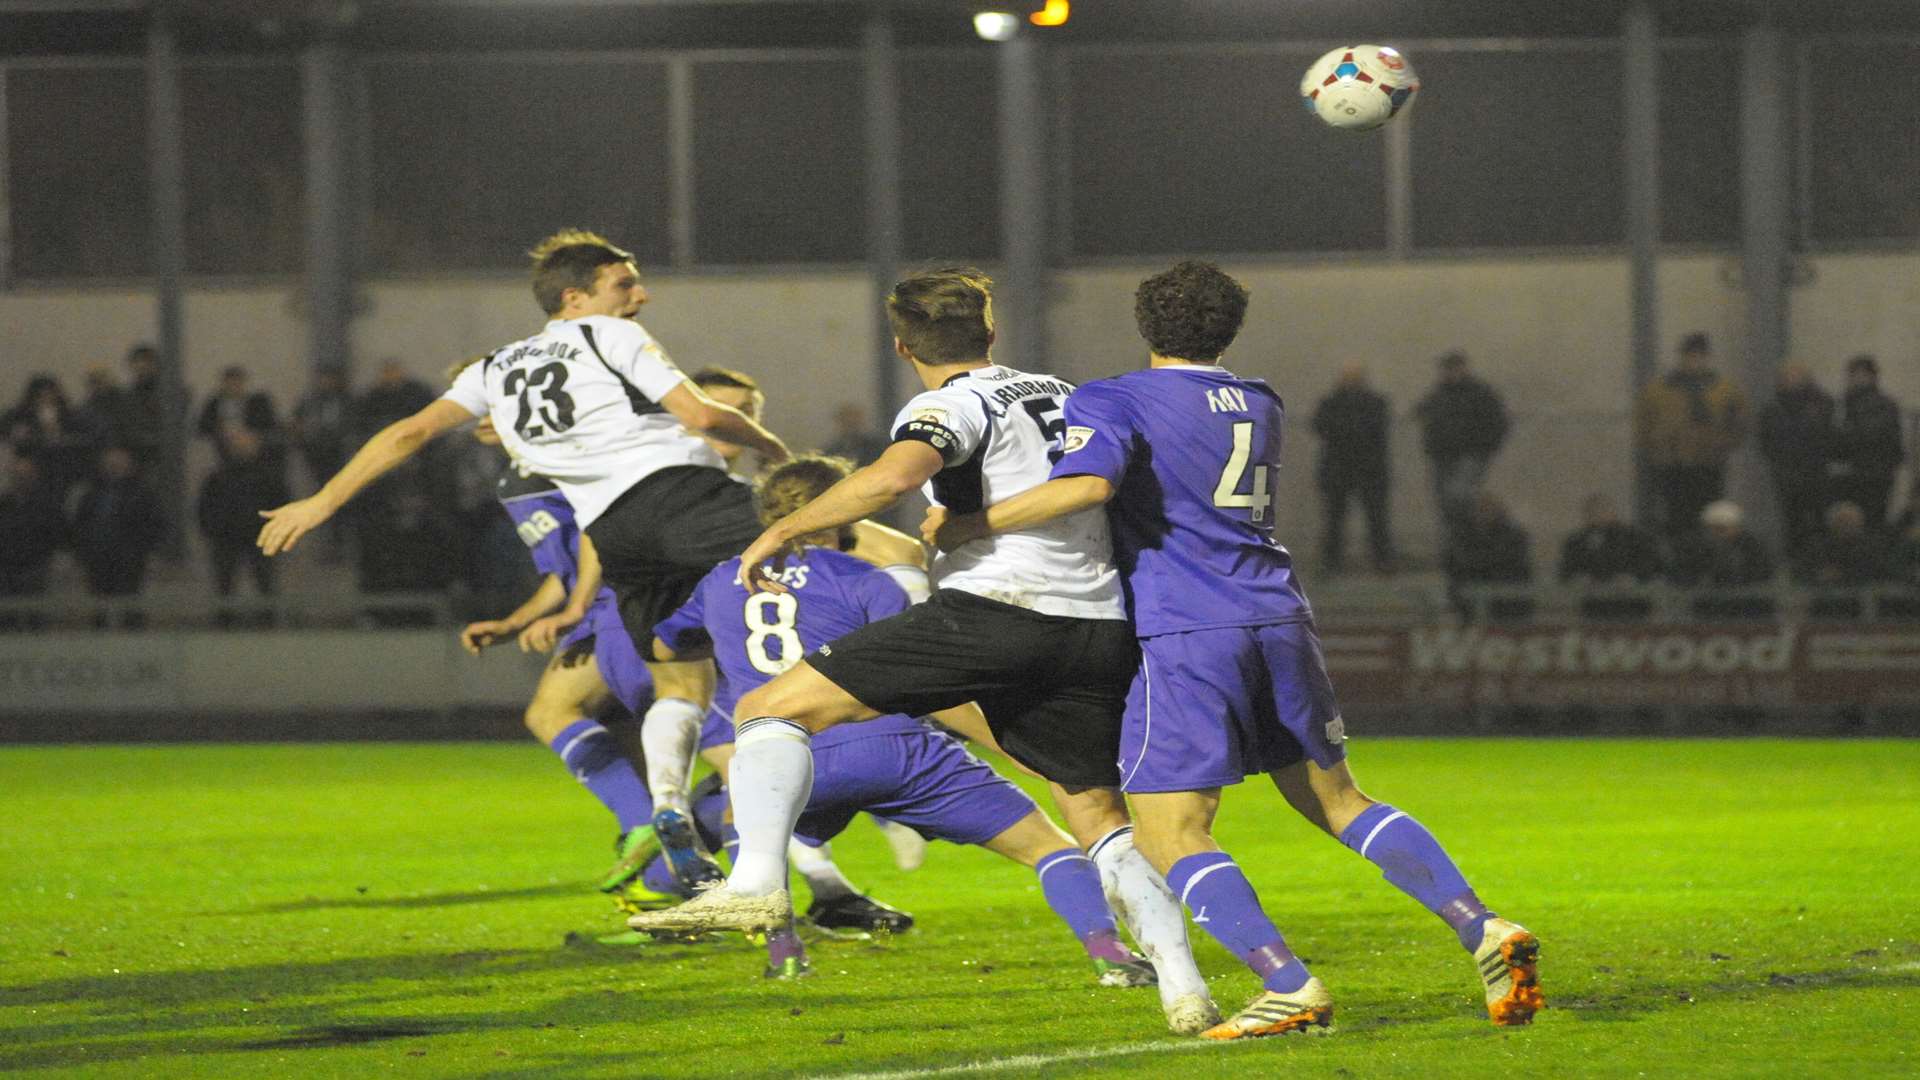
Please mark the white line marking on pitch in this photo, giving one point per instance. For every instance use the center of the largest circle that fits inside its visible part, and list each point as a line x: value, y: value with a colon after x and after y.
x: 1031, y: 1061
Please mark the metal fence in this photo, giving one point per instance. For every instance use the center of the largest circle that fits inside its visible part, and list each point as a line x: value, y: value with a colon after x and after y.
x: 728, y: 158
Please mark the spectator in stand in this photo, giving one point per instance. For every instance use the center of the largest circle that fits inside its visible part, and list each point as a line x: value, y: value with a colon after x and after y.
x: 1796, y: 438
x: 147, y: 402
x: 853, y: 435
x: 107, y: 413
x: 394, y: 395
x: 45, y: 427
x: 1906, y: 540
x: 1607, y: 550
x: 31, y: 528
x: 115, y: 525
x: 1722, y: 553
x: 1352, y: 423
x: 234, y: 408
x: 229, y: 510
x: 1493, y: 548
x: 1847, y: 554
x: 415, y: 537
x: 1867, y: 451
x: 323, y: 423
x: 1463, y: 424
x: 1688, y: 423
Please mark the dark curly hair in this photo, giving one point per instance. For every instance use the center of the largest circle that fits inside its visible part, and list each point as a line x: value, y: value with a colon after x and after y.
x: 1190, y: 312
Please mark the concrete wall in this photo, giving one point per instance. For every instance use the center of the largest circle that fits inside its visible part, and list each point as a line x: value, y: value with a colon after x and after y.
x: 1551, y: 333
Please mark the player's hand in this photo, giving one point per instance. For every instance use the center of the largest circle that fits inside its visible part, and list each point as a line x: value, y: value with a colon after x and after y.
x: 947, y: 532
x: 543, y: 634
x: 753, y: 564
x: 287, y: 524
x: 479, y: 635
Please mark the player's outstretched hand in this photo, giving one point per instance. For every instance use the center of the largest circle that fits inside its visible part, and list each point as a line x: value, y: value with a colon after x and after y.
x: 479, y: 635
x: 543, y: 634
x: 287, y: 524
x: 946, y: 532
x: 753, y: 564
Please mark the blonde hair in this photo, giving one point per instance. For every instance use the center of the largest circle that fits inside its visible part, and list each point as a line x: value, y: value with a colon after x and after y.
x: 795, y: 484
x: 943, y: 316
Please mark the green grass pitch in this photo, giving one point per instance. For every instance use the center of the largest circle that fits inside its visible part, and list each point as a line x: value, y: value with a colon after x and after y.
x: 1707, y: 908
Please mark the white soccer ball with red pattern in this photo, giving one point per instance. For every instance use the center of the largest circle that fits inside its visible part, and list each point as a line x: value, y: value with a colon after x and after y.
x: 1357, y: 87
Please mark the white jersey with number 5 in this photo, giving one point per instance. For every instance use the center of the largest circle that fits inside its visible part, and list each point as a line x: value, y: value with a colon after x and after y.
x: 579, y: 403
x: 999, y: 431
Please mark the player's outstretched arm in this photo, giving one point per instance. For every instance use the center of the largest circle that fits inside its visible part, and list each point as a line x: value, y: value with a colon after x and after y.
x: 906, y: 465
x: 541, y: 635
x: 882, y: 546
x: 702, y: 414
x: 1036, y: 506
x: 477, y: 636
x: 394, y: 444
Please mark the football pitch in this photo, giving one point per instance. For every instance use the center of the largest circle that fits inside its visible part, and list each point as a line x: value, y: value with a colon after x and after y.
x: 1707, y: 908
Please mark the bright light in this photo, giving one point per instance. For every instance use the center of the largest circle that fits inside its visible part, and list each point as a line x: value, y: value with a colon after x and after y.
x: 996, y: 25
x: 1054, y: 14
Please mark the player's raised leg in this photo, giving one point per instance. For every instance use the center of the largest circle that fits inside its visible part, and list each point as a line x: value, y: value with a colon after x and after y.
x: 1175, y: 832
x: 1506, y: 954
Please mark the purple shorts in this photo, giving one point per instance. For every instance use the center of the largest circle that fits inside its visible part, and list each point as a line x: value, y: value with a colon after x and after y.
x: 922, y: 779
x: 1210, y: 708
x: 613, y: 652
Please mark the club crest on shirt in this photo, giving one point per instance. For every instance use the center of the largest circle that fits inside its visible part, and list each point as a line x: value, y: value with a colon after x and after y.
x: 1337, y: 730
x: 1077, y: 438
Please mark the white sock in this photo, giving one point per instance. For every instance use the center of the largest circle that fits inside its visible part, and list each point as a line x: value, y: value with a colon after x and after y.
x: 670, y: 733
x: 772, y: 779
x: 1152, y: 914
x: 912, y: 579
x: 817, y: 866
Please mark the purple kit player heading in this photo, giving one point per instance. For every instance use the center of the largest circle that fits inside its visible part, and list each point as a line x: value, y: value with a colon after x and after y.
x: 892, y: 765
x: 1231, y: 680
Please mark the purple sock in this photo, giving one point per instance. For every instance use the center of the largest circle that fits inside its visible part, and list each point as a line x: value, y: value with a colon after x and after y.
x: 1223, y: 903
x: 1071, y: 884
x: 709, y: 816
x: 596, y: 762
x: 730, y: 841
x: 783, y: 944
x: 1414, y: 863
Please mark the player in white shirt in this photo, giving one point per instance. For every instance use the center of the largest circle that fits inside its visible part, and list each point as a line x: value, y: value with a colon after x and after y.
x: 1031, y: 626
x: 594, y: 403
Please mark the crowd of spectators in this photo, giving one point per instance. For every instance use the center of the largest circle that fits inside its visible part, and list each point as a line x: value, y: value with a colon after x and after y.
x: 75, y: 480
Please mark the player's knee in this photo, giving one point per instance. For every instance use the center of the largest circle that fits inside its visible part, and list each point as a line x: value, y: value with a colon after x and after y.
x: 775, y: 698
x: 543, y: 721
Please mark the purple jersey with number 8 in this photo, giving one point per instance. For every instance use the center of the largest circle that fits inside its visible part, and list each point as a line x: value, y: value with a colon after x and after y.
x: 1193, y: 453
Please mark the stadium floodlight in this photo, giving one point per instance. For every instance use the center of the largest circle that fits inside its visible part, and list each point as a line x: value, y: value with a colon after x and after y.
x: 996, y: 25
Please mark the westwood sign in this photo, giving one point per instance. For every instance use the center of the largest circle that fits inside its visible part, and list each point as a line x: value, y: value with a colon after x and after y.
x: 1602, y: 665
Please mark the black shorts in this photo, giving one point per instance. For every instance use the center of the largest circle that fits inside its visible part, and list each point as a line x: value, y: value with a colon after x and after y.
x: 1053, y: 687
x: 664, y: 534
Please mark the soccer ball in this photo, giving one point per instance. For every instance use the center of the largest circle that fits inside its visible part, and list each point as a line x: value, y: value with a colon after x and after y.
x: 1358, y: 87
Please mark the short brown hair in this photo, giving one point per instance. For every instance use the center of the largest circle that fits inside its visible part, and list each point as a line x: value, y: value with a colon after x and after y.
x: 796, y: 483
x: 1192, y: 311
x: 570, y: 259
x: 943, y: 316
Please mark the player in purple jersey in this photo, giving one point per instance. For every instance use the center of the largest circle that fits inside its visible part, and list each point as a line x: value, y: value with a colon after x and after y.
x: 1231, y: 682
x: 894, y: 765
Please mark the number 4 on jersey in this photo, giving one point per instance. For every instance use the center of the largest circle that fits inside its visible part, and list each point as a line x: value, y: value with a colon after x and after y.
x: 1259, y: 499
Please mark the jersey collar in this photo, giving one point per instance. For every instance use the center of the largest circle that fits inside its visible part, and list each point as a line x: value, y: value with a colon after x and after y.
x: 951, y: 379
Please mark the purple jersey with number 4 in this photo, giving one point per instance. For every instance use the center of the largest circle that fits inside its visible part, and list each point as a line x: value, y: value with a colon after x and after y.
x: 1193, y: 453
x: 756, y: 636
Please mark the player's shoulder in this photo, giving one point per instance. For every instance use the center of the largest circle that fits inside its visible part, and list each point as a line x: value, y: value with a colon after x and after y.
x: 610, y: 330
x: 727, y: 573
x: 944, y: 405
